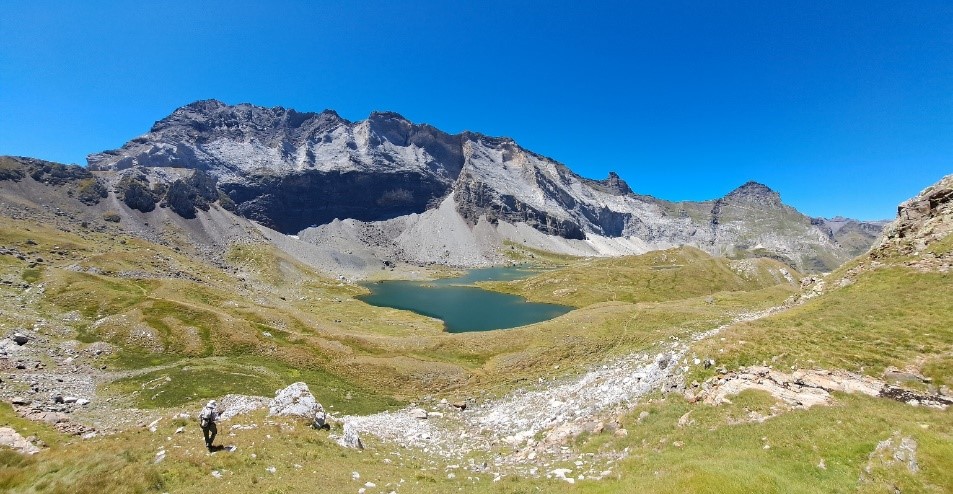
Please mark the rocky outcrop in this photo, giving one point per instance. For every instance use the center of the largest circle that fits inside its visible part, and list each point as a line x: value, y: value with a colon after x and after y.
x: 136, y: 192
x: 290, y: 170
x: 613, y: 184
x: 10, y: 438
x: 922, y: 222
x: 187, y: 196
x: 77, y: 182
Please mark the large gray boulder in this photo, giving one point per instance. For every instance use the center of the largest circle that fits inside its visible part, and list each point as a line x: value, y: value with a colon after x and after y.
x: 295, y: 400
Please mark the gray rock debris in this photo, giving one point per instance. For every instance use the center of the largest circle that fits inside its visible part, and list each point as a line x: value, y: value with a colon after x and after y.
x: 12, y: 439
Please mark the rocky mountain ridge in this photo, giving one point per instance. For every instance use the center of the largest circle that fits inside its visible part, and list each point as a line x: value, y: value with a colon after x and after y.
x: 293, y: 171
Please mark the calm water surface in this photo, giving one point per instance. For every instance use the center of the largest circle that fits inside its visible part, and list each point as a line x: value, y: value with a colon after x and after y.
x: 462, y: 306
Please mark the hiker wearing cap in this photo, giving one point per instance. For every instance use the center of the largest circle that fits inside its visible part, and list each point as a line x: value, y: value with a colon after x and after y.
x: 207, y: 419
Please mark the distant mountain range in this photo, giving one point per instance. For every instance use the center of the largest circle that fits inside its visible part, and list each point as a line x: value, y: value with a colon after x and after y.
x: 415, y: 193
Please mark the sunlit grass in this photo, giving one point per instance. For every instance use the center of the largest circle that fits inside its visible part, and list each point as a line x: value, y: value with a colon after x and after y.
x: 888, y: 317
x: 667, y: 275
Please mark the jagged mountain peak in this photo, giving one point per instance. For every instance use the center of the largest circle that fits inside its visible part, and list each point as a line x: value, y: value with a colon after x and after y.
x: 379, y: 115
x: 616, y: 184
x: 752, y: 191
x: 613, y: 184
x: 206, y: 105
x: 291, y: 170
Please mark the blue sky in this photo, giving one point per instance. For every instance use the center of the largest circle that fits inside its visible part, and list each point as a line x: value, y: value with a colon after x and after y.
x: 844, y: 107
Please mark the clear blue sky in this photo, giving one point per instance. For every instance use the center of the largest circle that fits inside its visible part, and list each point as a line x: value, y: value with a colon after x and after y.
x: 844, y: 107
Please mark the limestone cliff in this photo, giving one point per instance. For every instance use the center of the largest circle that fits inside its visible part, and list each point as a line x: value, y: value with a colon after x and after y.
x: 290, y: 171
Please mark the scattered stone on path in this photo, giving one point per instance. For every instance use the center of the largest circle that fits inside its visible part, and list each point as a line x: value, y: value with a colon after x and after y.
x: 20, y: 338
x: 419, y: 413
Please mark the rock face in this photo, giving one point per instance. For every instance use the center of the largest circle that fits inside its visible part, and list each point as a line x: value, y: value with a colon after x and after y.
x: 295, y: 400
x: 75, y: 181
x: 291, y: 170
x: 922, y: 222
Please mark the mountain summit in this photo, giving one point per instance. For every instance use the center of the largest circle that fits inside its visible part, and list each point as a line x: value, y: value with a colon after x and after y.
x: 754, y: 192
x: 295, y: 171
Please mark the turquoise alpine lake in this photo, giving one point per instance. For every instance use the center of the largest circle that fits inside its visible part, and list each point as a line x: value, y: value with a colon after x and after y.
x: 461, y: 305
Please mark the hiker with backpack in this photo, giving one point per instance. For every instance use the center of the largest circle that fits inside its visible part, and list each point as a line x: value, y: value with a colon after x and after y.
x: 207, y: 419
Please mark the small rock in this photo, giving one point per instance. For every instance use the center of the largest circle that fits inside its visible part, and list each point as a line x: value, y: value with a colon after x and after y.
x: 216, y: 474
x: 20, y: 339
x: 418, y: 413
x: 271, y: 470
x: 351, y: 439
x: 19, y: 400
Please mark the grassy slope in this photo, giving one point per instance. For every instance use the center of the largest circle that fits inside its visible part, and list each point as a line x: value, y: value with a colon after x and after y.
x: 278, y: 321
x: 364, y: 357
x: 718, y: 451
x: 667, y: 275
x: 889, y: 317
